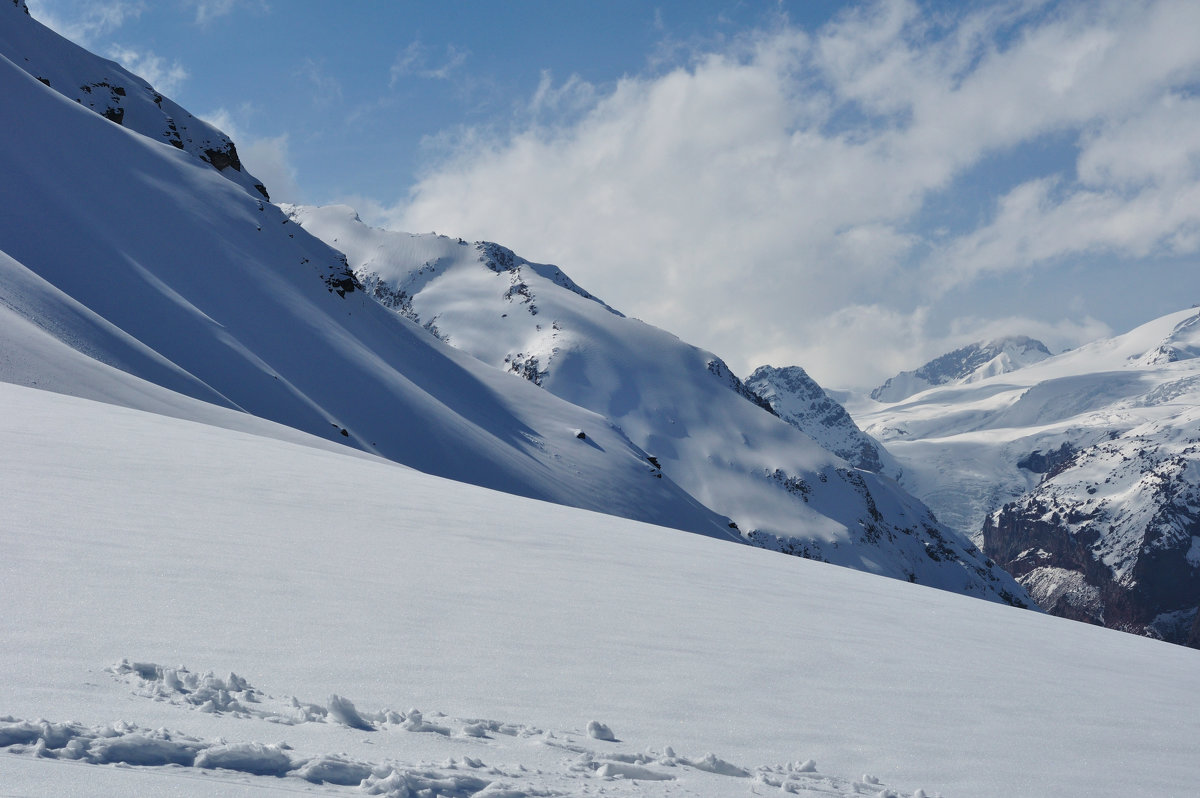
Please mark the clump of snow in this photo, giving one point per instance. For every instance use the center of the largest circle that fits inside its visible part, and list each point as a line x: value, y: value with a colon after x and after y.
x: 610, y: 770
x: 334, y: 769
x: 405, y: 782
x: 711, y: 763
x: 598, y: 731
x: 342, y: 710
x: 254, y: 758
x: 414, y: 721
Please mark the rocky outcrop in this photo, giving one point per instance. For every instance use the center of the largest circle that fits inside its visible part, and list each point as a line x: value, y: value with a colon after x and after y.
x: 1112, y: 536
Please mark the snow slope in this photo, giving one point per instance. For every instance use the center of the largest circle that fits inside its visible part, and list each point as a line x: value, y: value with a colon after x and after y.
x: 147, y: 558
x: 710, y: 434
x: 1095, y: 451
x: 140, y: 255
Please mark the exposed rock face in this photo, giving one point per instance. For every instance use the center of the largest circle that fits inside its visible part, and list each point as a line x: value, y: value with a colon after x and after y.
x: 800, y: 401
x: 1112, y: 535
x: 118, y: 95
x: 969, y: 364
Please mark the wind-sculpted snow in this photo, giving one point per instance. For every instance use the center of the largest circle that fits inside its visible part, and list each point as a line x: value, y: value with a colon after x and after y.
x: 715, y: 436
x: 1083, y: 468
x: 117, y: 94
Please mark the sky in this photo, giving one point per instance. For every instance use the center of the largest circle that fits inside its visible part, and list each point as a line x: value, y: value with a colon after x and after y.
x: 850, y: 187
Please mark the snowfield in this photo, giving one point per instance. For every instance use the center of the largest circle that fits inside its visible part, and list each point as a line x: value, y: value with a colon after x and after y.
x: 330, y: 594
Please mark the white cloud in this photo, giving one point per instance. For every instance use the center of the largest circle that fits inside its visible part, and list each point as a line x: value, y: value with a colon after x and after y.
x: 164, y: 77
x: 417, y: 59
x: 208, y: 10
x: 326, y: 88
x: 85, y: 22
x: 223, y: 120
x: 267, y: 158
x: 766, y: 197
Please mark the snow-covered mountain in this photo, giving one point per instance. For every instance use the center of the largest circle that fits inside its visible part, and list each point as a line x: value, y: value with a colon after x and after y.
x: 140, y: 255
x: 969, y: 364
x: 707, y: 431
x: 1080, y: 473
x: 800, y: 401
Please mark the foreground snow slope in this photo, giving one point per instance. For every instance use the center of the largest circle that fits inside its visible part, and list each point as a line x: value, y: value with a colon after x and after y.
x: 311, y: 573
x: 681, y: 404
x: 143, y: 257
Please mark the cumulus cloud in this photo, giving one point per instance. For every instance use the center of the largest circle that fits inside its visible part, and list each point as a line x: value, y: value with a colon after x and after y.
x: 268, y: 160
x: 766, y: 199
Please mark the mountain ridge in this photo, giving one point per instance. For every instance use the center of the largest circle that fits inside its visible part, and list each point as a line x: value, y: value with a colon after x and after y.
x: 706, y: 428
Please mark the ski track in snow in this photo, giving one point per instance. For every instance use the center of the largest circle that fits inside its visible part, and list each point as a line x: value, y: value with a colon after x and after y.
x: 471, y: 747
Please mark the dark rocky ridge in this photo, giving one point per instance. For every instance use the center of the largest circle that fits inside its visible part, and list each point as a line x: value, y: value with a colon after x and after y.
x: 1118, y: 552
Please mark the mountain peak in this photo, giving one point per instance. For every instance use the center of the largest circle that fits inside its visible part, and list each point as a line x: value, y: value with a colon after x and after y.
x: 970, y: 363
x: 797, y: 398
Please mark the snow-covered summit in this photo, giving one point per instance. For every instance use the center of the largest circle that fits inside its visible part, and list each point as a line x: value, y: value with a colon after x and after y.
x: 1181, y: 343
x: 116, y: 93
x: 800, y: 401
x: 968, y: 364
x: 709, y: 432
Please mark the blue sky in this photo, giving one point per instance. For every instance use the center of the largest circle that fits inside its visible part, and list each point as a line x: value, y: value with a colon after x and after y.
x: 853, y: 187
